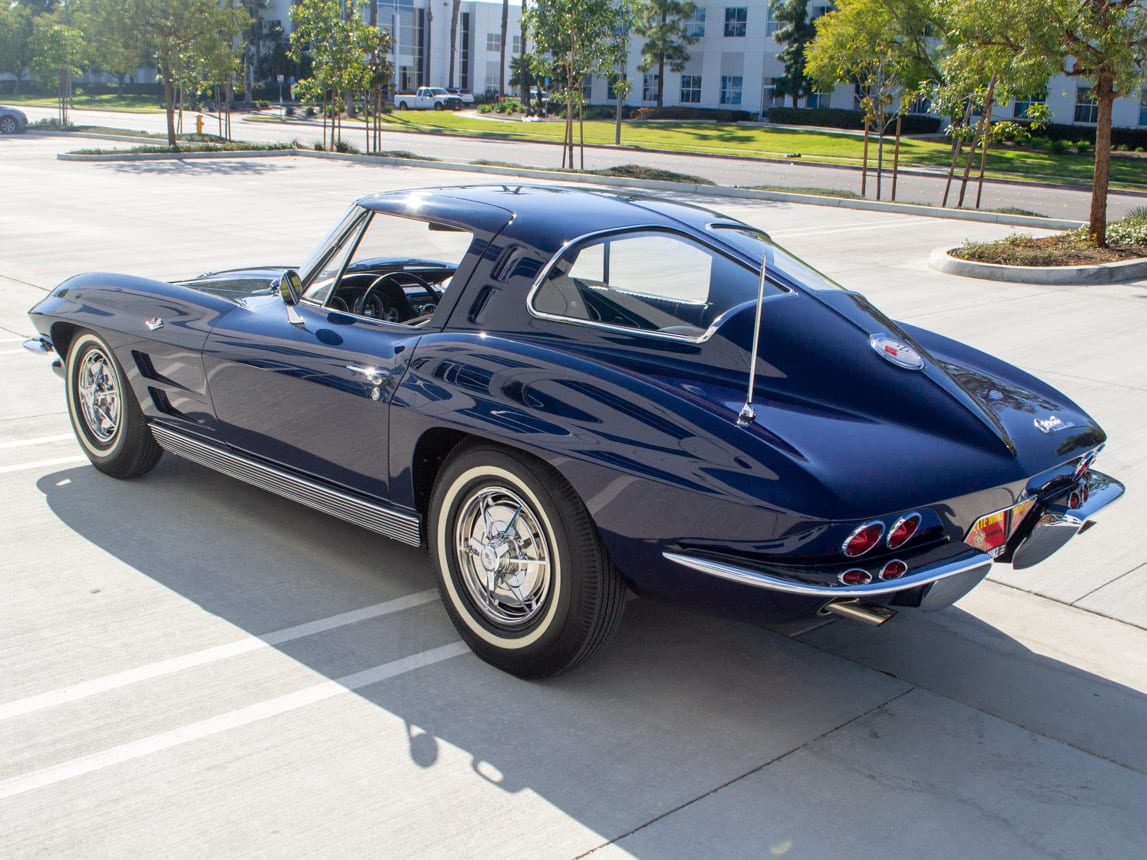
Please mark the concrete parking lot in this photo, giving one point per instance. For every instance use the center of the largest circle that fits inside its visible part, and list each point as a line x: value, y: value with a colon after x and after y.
x: 191, y: 667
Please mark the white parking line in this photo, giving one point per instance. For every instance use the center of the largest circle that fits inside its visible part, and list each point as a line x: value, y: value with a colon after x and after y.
x: 95, y: 686
x: 14, y: 352
x: 39, y: 440
x: 42, y: 464
x: 233, y: 720
x: 876, y: 225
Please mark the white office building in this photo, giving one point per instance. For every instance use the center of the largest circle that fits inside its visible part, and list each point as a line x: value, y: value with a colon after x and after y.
x: 732, y: 64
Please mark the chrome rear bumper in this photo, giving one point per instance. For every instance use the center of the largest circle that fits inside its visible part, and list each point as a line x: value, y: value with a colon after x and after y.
x: 1060, y: 522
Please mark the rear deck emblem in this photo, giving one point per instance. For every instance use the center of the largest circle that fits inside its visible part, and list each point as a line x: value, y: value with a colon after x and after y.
x: 1051, y: 424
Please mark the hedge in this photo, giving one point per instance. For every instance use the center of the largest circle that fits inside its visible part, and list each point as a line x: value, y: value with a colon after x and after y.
x: 841, y: 118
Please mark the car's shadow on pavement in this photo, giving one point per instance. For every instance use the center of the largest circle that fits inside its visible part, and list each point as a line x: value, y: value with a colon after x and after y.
x: 680, y: 712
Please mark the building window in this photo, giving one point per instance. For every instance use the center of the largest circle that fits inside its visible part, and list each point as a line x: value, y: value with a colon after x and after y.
x: 611, y: 92
x: 736, y: 21
x: 464, y: 53
x: 690, y: 89
x: 771, y: 24
x: 494, y: 43
x: 695, y: 26
x: 1143, y: 108
x: 517, y: 43
x: 818, y: 100
x: 731, y: 89
x: 1086, y: 107
x: 650, y: 87
x: 1020, y: 108
x: 920, y: 105
x: 818, y: 11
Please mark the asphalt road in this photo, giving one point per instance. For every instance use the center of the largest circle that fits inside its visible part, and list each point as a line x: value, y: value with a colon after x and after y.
x: 190, y: 667
x: 915, y: 187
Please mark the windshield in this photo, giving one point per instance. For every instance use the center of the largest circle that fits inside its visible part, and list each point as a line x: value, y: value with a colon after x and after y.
x: 756, y: 245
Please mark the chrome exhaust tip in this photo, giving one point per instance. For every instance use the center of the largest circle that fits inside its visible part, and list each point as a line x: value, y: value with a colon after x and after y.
x: 869, y: 613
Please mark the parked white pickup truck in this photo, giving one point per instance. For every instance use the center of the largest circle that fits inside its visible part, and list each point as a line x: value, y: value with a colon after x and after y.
x: 428, y: 98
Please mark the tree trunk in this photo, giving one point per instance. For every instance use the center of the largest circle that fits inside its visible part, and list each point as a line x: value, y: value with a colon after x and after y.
x: 524, y: 82
x: 979, y: 140
x: 505, y: 48
x: 985, y: 143
x: 880, y: 151
x: 896, y: 154
x: 957, y: 145
x: 169, y: 107
x: 453, y: 37
x: 864, y: 164
x: 1105, y: 97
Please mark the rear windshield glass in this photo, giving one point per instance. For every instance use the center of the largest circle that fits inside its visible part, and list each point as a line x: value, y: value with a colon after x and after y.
x: 756, y: 245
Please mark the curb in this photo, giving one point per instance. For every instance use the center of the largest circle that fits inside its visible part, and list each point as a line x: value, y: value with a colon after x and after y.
x: 1105, y: 273
x: 612, y: 181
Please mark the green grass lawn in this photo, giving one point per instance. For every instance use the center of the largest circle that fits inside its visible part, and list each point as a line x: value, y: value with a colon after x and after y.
x: 826, y: 147
x: 127, y: 104
x: 763, y: 142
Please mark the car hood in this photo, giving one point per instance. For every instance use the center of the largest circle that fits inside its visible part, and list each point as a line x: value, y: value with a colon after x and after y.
x: 236, y: 283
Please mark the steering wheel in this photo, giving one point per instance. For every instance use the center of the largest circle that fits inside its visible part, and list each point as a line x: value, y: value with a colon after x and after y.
x: 385, y: 298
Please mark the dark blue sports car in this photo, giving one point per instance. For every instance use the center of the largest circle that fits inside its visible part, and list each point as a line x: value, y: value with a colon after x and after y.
x: 564, y: 393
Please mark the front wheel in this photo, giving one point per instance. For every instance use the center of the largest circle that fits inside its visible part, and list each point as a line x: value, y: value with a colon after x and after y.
x: 402, y: 105
x: 8, y: 125
x: 105, y: 414
x: 521, y: 568
x: 438, y: 106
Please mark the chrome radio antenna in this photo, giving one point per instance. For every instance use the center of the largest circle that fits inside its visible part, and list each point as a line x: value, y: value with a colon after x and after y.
x: 748, y: 413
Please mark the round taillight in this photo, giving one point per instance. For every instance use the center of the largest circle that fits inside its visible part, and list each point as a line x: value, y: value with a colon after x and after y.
x: 863, y: 539
x: 903, y: 530
x: 856, y: 576
x: 893, y: 570
x: 1085, y: 491
x: 1073, y: 501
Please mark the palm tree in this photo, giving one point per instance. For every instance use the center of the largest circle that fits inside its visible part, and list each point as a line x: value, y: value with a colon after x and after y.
x: 505, y: 36
x: 454, y: 36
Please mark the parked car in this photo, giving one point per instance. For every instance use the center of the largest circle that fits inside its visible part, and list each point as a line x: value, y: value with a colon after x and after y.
x: 466, y: 96
x: 566, y: 393
x: 12, y: 121
x: 428, y: 98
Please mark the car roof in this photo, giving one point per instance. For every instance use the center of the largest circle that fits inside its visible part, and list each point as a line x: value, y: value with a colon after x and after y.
x: 546, y: 216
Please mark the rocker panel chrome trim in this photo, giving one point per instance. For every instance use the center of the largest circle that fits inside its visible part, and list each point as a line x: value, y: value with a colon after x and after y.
x: 399, y: 526
x: 962, y: 564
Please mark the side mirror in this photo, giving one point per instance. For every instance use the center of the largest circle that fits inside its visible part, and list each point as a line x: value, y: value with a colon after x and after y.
x: 290, y: 287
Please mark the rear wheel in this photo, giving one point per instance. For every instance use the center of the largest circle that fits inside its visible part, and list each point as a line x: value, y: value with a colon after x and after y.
x: 8, y: 125
x: 521, y: 569
x: 106, y: 417
x: 402, y: 105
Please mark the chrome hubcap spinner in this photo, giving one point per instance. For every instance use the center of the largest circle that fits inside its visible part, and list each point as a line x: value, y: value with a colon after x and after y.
x: 503, y: 555
x: 99, y: 396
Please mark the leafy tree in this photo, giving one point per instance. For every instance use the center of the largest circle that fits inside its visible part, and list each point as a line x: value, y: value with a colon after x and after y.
x: 16, y: 41
x: 662, y: 24
x: 182, y: 36
x: 795, y: 33
x: 573, y: 38
x: 1101, y: 42
x: 58, y: 52
x: 115, y: 43
x: 883, y: 48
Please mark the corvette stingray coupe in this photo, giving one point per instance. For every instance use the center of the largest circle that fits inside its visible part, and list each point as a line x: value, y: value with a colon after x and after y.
x: 568, y: 394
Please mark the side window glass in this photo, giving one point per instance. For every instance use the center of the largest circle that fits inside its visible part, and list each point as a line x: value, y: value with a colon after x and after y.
x: 647, y: 281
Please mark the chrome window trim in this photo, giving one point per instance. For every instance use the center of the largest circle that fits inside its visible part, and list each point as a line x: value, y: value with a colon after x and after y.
x: 660, y: 335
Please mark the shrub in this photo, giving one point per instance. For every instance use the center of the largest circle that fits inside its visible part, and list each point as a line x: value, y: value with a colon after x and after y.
x: 840, y: 118
x: 1059, y: 147
x: 1083, y: 146
x: 262, y: 104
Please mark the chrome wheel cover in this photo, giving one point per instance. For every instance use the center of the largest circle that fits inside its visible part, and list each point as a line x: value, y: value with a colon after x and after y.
x: 504, y: 558
x: 97, y: 390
